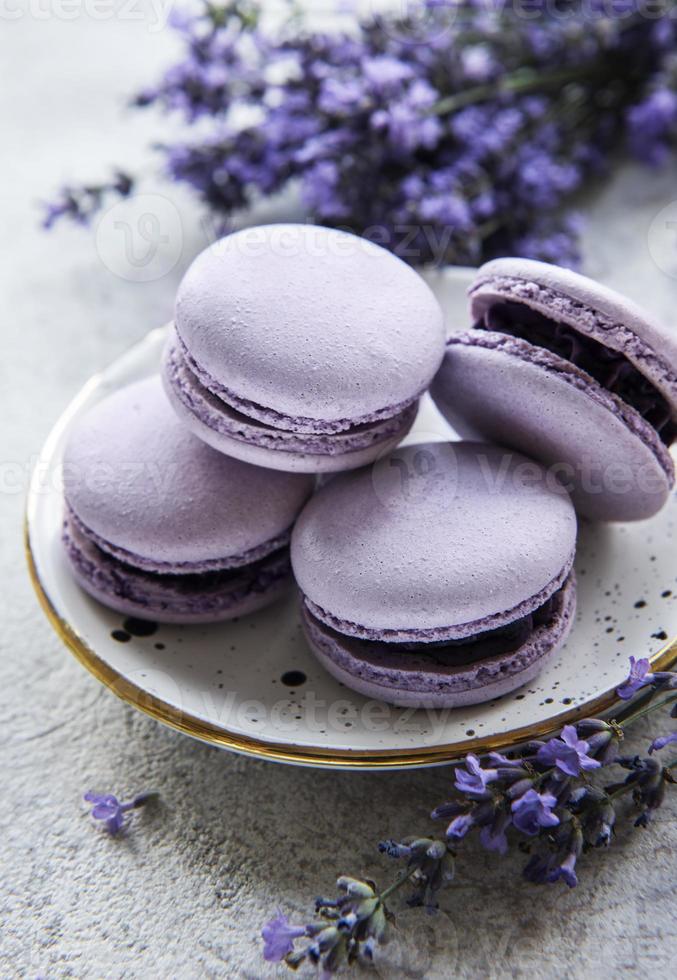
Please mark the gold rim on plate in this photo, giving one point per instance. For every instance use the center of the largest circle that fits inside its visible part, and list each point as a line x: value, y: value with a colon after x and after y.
x: 340, y: 758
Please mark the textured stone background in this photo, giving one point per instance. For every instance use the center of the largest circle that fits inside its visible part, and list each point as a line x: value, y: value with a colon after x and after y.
x: 184, y: 895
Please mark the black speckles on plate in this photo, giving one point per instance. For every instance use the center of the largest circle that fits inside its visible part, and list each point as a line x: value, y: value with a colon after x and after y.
x: 140, y: 627
x: 293, y: 678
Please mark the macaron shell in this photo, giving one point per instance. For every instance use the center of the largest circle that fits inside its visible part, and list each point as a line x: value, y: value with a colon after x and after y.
x: 227, y: 431
x: 442, y: 540
x: 137, y: 478
x: 385, y: 676
x: 589, y: 307
x: 310, y: 322
x: 529, y: 399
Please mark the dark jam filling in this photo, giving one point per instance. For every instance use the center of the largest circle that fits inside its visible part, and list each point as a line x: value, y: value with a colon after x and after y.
x: 611, y: 369
x: 257, y: 576
x: 262, y: 572
x: 491, y: 643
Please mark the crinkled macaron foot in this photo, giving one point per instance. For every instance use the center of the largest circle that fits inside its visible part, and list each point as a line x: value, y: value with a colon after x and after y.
x: 231, y: 432
x: 451, y: 676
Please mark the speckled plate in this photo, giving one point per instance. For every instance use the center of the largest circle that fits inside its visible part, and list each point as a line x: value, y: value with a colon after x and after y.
x: 254, y: 687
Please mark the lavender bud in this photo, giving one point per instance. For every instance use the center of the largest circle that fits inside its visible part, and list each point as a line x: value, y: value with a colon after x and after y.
x: 448, y: 810
x: 378, y: 923
x: 325, y: 940
x: 393, y: 849
x: 437, y: 850
x: 598, y: 742
x: 587, y: 725
x: 366, y: 908
x: 353, y: 886
x: 519, y: 789
x: 510, y: 775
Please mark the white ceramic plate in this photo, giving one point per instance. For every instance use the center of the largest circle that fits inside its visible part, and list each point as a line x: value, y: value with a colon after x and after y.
x: 254, y: 687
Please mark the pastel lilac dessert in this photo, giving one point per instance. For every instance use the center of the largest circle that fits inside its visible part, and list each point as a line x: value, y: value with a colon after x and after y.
x: 301, y: 348
x: 159, y: 526
x: 442, y: 576
x: 575, y: 375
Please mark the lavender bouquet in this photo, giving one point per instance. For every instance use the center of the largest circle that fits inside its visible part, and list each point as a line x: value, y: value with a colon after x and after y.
x: 555, y: 800
x: 455, y: 132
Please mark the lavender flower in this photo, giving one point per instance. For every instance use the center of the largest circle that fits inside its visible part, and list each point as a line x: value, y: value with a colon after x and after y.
x: 648, y: 781
x: 596, y: 814
x: 460, y: 825
x: 278, y: 937
x: 599, y: 827
x: 81, y: 203
x: 108, y: 808
x: 473, y: 780
x: 638, y: 677
x: 545, y: 791
x: 662, y: 741
x: 347, y: 930
x: 568, y: 753
x: 652, y: 126
x: 493, y: 836
x: 453, y: 139
x: 430, y: 867
x: 565, y: 867
x: 533, y: 810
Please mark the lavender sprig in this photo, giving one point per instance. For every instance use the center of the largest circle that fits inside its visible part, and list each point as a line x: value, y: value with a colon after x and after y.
x: 450, y: 134
x: 80, y: 204
x: 347, y: 929
x: 108, y: 809
x: 541, y: 797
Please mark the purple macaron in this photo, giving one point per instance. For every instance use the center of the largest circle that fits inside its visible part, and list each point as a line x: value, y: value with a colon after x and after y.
x: 573, y: 374
x: 301, y: 348
x: 441, y: 576
x: 160, y: 526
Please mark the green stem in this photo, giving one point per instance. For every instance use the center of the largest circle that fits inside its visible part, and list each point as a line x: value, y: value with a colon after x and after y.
x: 648, y: 695
x: 621, y: 791
x: 397, y: 884
x: 520, y: 82
x: 647, y: 709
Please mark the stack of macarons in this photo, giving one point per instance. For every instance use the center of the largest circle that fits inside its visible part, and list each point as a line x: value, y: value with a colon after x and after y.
x: 437, y: 575
x: 295, y: 351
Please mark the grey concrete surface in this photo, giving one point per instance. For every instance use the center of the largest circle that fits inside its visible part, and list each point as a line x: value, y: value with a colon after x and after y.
x: 185, y: 894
